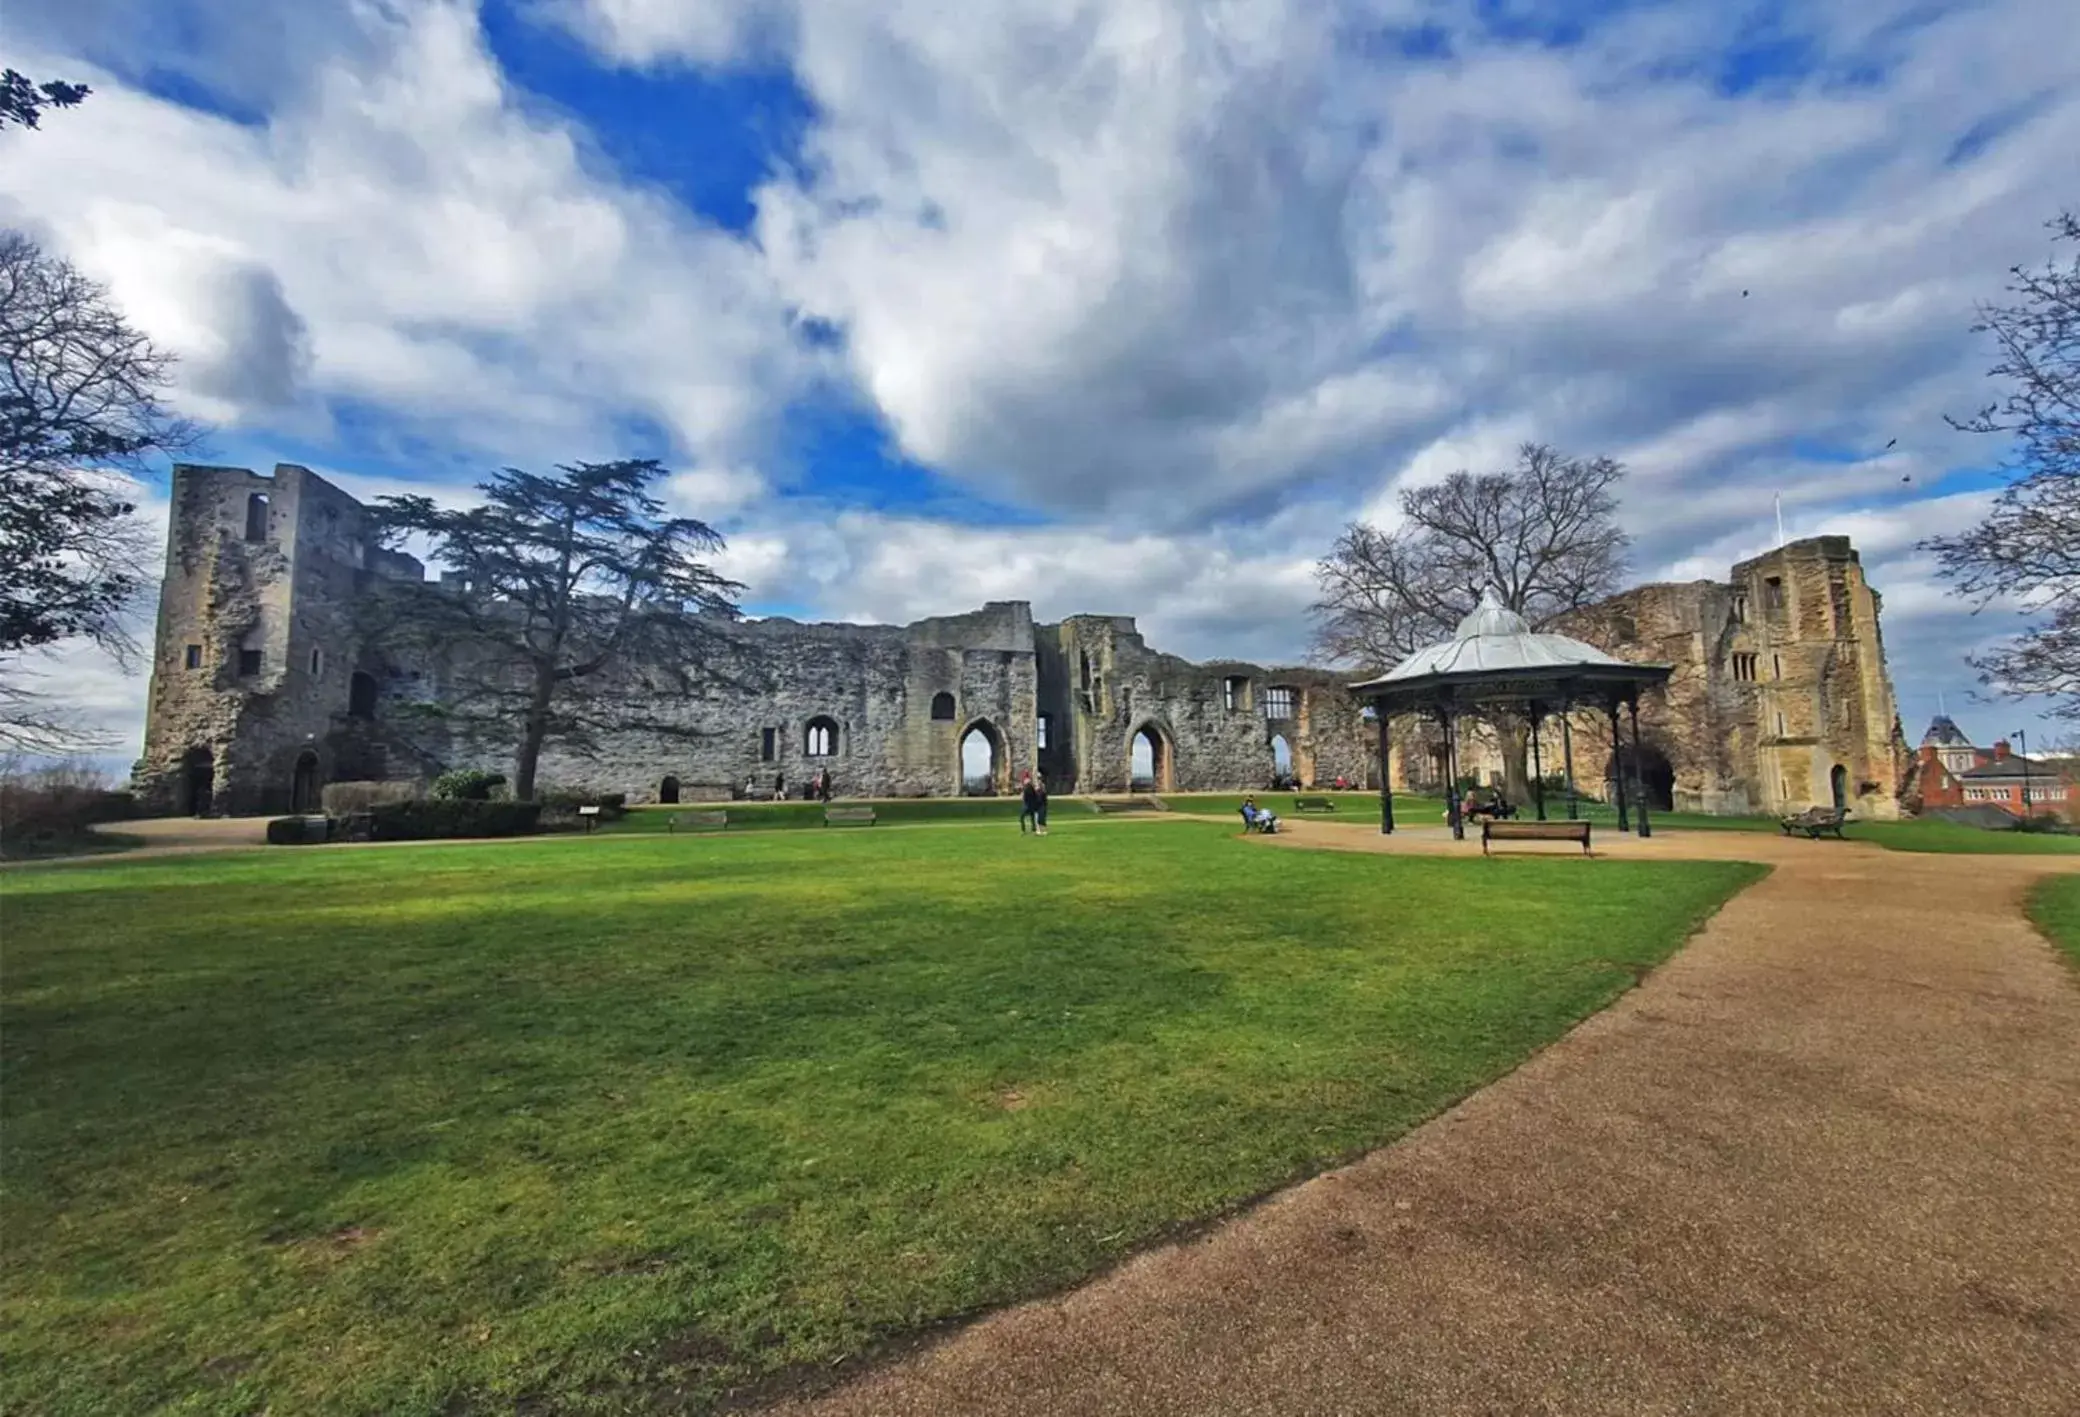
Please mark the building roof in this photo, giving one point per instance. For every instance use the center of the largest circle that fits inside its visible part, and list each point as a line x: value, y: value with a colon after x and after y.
x: 1495, y: 637
x: 1495, y: 655
x: 1943, y: 732
x: 2010, y: 767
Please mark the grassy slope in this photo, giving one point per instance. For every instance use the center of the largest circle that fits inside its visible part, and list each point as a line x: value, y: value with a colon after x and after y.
x: 363, y: 1131
x: 2055, y: 907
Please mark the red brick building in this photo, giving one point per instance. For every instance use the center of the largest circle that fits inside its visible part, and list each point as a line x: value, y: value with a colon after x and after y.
x: 1950, y: 772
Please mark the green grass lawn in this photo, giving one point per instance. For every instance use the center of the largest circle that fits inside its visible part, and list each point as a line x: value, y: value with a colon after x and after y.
x: 584, y: 1125
x: 2054, y: 904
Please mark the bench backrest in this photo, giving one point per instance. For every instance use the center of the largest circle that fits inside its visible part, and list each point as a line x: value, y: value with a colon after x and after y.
x: 848, y: 814
x: 1535, y: 829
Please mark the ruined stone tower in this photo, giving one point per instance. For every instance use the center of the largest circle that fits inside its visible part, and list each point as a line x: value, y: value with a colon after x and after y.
x: 260, y: 689
x: 1780, y: 699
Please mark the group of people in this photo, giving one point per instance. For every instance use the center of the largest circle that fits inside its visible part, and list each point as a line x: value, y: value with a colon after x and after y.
x: 819, y: 787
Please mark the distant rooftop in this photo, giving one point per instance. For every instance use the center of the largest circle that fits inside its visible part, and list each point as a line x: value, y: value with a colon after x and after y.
x: 1943, y: 732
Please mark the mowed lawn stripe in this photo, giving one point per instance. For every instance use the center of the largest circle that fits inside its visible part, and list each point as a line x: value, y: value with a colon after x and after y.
x: 443, y: 1130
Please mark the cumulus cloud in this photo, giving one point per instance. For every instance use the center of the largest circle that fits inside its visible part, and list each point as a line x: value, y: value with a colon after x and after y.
x: 405, y: 231
x: 1175, y: 261
x: 1192, y: 282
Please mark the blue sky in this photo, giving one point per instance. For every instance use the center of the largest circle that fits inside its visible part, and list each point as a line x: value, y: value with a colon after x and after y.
x: 1118, y: 307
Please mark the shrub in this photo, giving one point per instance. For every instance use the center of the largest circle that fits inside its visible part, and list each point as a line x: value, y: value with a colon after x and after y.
x: 297, y: 831
x: 468, y: 784
x: 47, y: 807
x: 431, y: 818
x: 344, y: 798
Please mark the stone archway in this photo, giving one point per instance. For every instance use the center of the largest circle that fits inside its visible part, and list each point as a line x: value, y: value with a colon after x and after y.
x: 306, y: 785
x: 1838, y: 782
x: 1282, y: 769
x: 668, y: 791
x: 1651, y: 774
x: 982, y: 762
x: 1151, y: 763
x: 198, y: 782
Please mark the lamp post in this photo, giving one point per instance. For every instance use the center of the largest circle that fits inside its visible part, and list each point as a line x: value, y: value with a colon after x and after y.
x: 2022, y: 736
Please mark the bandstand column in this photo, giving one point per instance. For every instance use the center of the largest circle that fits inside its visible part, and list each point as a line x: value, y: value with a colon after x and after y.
x: 1538, y: 772
x: 1451, y: 775
x: 1646, y: 828
x: 1567, y: 752
x: 1618, y: 765
x: 1386, y: 774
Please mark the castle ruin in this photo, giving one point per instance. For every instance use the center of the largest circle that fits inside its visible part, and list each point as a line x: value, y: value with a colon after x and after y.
x: 266, y: 686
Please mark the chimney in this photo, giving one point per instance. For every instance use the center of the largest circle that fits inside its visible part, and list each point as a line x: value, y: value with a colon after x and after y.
x: 2000, y: 750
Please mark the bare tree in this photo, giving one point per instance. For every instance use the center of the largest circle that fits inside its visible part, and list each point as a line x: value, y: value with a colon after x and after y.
x: 81, y: 415
x: 1543, y: 536
x: 22, y: 101
x: 2028, y: 547
x: 578, y: 609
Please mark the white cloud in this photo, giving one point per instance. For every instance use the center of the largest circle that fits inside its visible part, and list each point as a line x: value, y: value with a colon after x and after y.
x: 1198, y: 281
x: 405, y: 231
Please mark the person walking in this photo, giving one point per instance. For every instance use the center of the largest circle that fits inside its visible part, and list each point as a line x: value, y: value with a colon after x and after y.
x: 1039, y: 788
x: 1028, y: 805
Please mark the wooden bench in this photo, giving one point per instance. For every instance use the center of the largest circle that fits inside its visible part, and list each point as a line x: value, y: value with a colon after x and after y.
x: 1815, y: 820
x: 848, y: 816
x: 1314, y: 804
x: 1129, y: 804
x: 1534, y: 831
x: 697, y: 821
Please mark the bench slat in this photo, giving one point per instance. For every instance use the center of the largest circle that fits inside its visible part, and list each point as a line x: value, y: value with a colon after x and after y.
x: 848, y: 816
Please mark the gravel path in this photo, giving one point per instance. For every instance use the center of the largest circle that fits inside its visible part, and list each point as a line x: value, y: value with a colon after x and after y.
x: 1826, y: 1160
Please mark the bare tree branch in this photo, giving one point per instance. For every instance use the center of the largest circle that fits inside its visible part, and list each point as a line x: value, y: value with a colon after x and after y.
x: 1543, y: 536
x: 2028, y: 547
x: 80, y: 416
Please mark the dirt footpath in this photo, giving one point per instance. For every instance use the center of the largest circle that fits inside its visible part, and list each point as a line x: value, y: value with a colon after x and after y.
x: 1826, y: 1160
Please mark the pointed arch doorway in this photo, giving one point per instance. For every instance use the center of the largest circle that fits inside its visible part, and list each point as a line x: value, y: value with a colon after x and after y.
x: 1149, y: 760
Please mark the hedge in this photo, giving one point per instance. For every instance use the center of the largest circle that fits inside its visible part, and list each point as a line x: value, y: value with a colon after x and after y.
x: 438, y: 817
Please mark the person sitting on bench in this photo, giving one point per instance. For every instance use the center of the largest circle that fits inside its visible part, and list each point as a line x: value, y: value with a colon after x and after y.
x: 1255, y: 818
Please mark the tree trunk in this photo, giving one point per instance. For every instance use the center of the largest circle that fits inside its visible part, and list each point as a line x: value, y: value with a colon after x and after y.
x: 533, y: 729
x: 1514, y: 737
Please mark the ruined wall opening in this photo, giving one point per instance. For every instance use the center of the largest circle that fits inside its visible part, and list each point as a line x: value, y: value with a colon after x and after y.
x: 820, y: 738
x: 256, y: 518
x: 1149, y: 766
x: 361, y: 696
x: 942, y: 707
x: 198, y: 781
x: 1281, y: 760
x: 668, y: 791
x: 982, y: 760
x: 1279, y: 701
x: 305, y: 785
x: 1838, y: 780
x: 1652, y: 775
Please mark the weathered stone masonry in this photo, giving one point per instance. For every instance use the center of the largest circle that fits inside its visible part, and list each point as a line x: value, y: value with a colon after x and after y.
x: 263, y: 689
x: 1780, y: 698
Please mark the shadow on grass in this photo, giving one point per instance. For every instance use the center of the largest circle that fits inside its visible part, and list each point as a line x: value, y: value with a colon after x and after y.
x: 405, y: 1130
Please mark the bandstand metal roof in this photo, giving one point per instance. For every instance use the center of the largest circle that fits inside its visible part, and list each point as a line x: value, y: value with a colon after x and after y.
x: 1495, y: 655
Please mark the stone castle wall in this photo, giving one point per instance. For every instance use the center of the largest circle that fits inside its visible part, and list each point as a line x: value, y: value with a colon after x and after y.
x: 1779, y: 680
x: 320, y: 703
